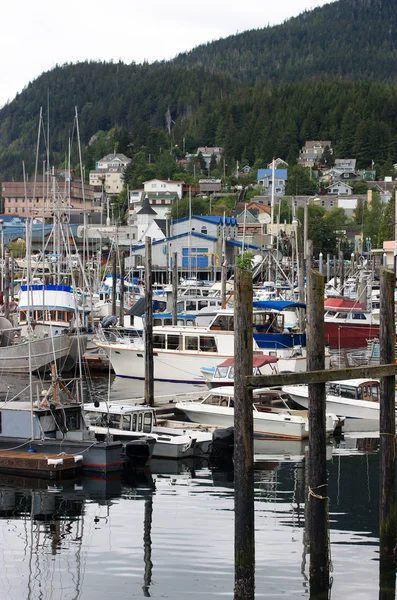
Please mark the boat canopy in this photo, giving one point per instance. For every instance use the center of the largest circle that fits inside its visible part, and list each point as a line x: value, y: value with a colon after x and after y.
x: 278, y: 304
x: 259, y: 360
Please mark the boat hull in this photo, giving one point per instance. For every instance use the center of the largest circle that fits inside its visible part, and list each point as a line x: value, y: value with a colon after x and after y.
x: 266, y: 425
x: 343, y: 335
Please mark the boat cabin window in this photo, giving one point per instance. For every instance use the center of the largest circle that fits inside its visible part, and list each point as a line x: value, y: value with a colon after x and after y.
x: 347, y: 391
x: 147, y: 422
x: 359, y: 316
x: 268, y: 322
x: 375, y: 392
x: 159, y: 340
x: 134, y: 420
x: 221, y: 372
x: 73, y: 420
x: 341, y: 316
x: 140, y: 419
x: 114, y: 421
x: 180, y: 307
x: 223, y: 323
x: 217, y: 400
x: 207, y: 343
x: 126, y: 423
x: 191, y: 305
x: 191, y: 342
x: 173, y: 342
x: 231, y: 373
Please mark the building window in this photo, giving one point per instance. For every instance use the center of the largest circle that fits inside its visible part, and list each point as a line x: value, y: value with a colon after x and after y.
x: 322, y: 202
x: 204, y: 230
x: 331, y: 204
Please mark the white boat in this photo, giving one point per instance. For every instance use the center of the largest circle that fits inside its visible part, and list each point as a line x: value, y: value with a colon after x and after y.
x: 355, y: 399
x: 179, y: 353
x: 272, y: 416
x: 125, y: 423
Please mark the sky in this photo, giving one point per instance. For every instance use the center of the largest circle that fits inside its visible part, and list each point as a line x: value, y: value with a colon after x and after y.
x: 36, y: 36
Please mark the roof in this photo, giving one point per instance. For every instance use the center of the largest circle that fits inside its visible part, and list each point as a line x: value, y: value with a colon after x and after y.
x: 344, y: 304
x: 162, y: 224
x: 259, y: 360
x: 194, y: 234
x: 211, y: 219
x: 163, y: 181
x: 113, y: 156
x: 117, y: 409
x: 146, y: 208
x: 240, y: 244
x: 281, y: 173
x: 278, y: 304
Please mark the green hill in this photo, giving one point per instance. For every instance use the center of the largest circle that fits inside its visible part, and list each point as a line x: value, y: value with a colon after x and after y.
x: 327, y: 74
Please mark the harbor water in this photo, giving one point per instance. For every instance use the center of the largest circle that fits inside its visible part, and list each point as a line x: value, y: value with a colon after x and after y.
x: 168, y: 532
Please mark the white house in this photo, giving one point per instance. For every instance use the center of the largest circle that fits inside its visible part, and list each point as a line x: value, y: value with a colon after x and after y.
x: 113, y: 161
x: 338, y: 188
x: 109, y: 173
x: 160, y: 186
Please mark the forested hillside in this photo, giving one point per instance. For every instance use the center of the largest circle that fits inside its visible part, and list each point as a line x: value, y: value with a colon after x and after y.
x: 327, y: 74
x: 354, y: 39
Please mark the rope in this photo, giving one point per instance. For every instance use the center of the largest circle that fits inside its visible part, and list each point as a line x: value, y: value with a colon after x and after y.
x: 312, y: 493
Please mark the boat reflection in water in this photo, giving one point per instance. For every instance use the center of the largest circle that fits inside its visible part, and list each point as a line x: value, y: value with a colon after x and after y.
x: 173, y: 525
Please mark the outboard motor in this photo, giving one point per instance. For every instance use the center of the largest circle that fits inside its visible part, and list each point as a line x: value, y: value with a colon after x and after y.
x: 222, y: 448
x: 108, y: 321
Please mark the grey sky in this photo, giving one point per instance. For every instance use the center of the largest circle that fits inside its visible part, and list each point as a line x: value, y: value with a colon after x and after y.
x: 38, y: 35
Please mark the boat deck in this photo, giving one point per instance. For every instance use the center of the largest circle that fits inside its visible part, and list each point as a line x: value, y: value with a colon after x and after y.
x: 37, y: 464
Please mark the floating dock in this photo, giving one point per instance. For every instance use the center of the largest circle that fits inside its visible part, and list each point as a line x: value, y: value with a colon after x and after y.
x: 37, y: 464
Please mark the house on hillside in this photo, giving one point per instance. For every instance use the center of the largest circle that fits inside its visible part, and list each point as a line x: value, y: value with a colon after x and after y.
x: 161, y: 186
x: 265, y: 180
x: 345, y: 164
x: 278, y: 163
x: 312, y: 152
x: 338, y: 188
x: 210, y: 186
x: 108, y: 173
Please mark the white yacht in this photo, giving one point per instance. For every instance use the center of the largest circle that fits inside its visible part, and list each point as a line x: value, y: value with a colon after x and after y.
x: 180, y: 352
x: 273, y: 418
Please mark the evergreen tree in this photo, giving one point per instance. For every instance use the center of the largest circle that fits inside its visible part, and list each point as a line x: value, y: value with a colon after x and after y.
x: 299, y: 182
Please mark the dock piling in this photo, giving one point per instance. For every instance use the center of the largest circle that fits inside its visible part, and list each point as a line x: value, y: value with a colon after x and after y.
x: 149, y: 368
x: 244, y: 530
x: 387, y: 422
x: 318, y: 486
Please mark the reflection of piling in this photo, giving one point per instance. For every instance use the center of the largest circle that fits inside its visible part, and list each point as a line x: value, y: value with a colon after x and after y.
x: 174, y: 288
x: 387, y: 423
x: 317, y: 498
x: 244, y: 532
x: 149, y: 369
x: 147, y: 546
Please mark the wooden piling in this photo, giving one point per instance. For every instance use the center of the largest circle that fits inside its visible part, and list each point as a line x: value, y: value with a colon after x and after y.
x: 174, y: 288
x: 341, y: 271
x: 318, y: 487
x: 122, y: 276
x: 387, y: 420
x: 149, y: 368
x: 244, y: 531
x: 114, y: 282
x: 6, y: 284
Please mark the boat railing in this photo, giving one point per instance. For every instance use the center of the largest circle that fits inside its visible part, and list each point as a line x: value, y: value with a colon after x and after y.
x: 120, y: 336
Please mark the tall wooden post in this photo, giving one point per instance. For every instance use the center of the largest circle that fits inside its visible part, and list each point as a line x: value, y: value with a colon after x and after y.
x: 341, y: 271
x: 244, y: 531
x: 174, y: 288
x: 387, y: 420
x: 114, y: 281
x: 149, y: 368
x: 122, y: 276
x: 328, y: 267
x: 6, y: 284
x: 305, y: 230
x: 318, y: 497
